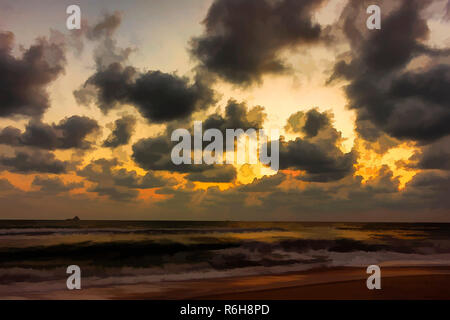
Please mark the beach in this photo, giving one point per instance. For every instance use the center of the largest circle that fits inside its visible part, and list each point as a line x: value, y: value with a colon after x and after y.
x: 219, y: 260
x: 398, y: 283
x: 350, y: 284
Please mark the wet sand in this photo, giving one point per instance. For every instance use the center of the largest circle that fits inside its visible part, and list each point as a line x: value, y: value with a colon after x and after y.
x: 349, y: 283
x: 335, y: 284
x: 434, y: 287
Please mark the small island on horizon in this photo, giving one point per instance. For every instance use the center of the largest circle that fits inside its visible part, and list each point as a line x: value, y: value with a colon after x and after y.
x: 76, y: 218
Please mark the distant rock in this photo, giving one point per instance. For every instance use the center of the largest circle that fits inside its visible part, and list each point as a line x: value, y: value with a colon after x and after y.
x: 74, y: 219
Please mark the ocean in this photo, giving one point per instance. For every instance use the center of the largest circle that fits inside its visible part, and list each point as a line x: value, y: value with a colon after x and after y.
x: 34, y: 255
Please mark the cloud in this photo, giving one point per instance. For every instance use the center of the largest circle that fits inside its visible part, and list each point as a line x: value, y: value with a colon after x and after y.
x: 122, y: 132
x: 429, y: 179
x: 308, y: 123
x: 279, y: 197
x: 383, y: 182
x: 106, y: 51
x: 37, y: 161
x: 102, y: 172
x: 420, y: 111
x: 161, y: 96
x: 54, y: 185
x: 109, y: 86
x: 434, y: 156
x: 264, y: 184
x: 106, y: 54
x: 243, y: 39
x: 318, y: 153
x: 105, y: 27
x: 447, y: 13
x: 429, y: 189
x: 155, y: 153
x: 5, y: 185
x: 68, y: 133
x: 224, y: 173
x: 118, y: 183
x: 402, y: 102
x: 158, y: 96
x: 99, y: 170
x: 237, y: 115
x: 322, y: 161
x: 115, y: 193
x: 10, y: 136
x: 23, y: 80
x: 130, y: 179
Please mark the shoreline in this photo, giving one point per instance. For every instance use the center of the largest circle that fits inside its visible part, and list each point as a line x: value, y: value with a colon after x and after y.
x: 346, y: 283
x: 337, y: 283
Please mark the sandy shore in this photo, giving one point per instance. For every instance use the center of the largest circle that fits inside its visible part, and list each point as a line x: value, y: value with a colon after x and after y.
x: 336, y: 283
x: 434, y: 287
x: 342, y: 283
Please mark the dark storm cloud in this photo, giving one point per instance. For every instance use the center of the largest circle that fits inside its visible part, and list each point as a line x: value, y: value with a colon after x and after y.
x: 264, y: 184
x: 378, y: 198
x: 107, y: 51
x: 430, y: 190
x: 115, y: 193
x: 36, y: 161
x: 322, y: 161
x: 23, y: 80
x: 105, y: 27
x: 10, y: 136
x: 162, y: 97
x: 155, y: 153
x: 317, y: 153
x: 243, y: 38
x: 122, y: 132
x: 130, y: 179
x: 399, y: 39
x: 54, y: 185
x: 383, y: 182
x: 447, y: 13
x: 105, y: 173
x: 421, y: 105
x: 180, y: 198
x: 99, y: 170
x: 435, y: 155
x: 237, y: 115
x: 379, y: 195
x: 429, y: 179
x: 158, y: 96
x: 309, y: 123
x: 224, y: 173
x: 109, y: 86
x: 5, y: 185
x: 406, y: 104
x: 68, y: 133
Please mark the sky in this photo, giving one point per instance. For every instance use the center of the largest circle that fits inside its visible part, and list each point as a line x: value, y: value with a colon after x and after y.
x: 86, y: 115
